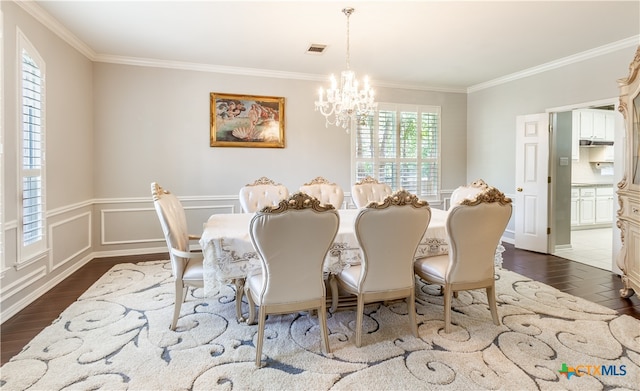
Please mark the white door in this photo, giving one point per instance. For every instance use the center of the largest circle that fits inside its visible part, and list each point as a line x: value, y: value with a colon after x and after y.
x: 532, y: 182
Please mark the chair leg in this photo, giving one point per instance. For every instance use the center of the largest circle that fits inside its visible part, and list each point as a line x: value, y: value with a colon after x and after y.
x: 333, y: 286
x: 491, y: 298
x: 180, y: 297
x: 411, y: 304
x: 324, y: 332
x: 359, y: 316
x: 261, y: 321
x: 252, y: 306
x: 239, y: 283
x: 447, y: 309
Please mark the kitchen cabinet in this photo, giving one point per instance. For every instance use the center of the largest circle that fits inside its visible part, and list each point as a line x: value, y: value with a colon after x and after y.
x: 587, y: 206
x: 604, y: 205
x: 594, y: 124
x: 575, y: 201
x: 591, y: 206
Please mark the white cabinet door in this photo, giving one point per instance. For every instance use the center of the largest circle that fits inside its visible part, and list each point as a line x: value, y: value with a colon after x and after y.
x: 610, y: 126
x: 586, y: 124
x: 633, y: 256
x: 574, y: 211
x: 575, y: 206
x: 587, y: 206
x: 604, y: 205
x: 599, y: 125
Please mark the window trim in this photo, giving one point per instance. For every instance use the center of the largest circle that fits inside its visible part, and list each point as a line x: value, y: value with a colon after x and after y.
x: 398, y: 108
x: 34, y: 251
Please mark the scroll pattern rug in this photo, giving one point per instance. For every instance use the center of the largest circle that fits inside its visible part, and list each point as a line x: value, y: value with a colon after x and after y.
x: 116, y: 337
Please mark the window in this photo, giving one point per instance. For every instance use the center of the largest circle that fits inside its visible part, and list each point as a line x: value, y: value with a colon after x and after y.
x: 400, y: 145
x: 31, y: 166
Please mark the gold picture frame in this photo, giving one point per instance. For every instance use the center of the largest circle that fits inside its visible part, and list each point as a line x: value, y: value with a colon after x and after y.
x: 246, y: 121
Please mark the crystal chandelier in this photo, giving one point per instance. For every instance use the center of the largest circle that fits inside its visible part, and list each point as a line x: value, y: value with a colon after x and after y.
x: 347, y: 103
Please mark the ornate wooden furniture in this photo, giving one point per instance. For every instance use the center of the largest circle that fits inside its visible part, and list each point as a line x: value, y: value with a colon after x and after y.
x: 325, y: 191
x: 468, y: 191
x: 369, y: 190
x: 186, y: 265
x: 475, y: 227
x: 388, y: 234
x: 629, y: 187
x: 292, y: 240
x: 262, y: 192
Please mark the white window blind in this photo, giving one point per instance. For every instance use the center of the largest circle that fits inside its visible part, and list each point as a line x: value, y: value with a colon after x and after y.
x: 400, y: 145
x: 32, y: 224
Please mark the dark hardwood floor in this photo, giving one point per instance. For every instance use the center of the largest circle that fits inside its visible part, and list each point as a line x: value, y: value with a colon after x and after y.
x: 581, y: 280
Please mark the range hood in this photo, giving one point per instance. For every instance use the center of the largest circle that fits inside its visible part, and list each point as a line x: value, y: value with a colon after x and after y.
x: 594, y: 143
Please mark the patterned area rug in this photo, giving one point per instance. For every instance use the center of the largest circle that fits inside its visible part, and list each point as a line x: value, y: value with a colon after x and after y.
x: 117, y: 337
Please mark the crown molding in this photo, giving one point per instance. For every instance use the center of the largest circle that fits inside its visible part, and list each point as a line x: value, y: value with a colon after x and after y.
x: 56, y: 27
x: 150, y: 62
x: 588, y: 54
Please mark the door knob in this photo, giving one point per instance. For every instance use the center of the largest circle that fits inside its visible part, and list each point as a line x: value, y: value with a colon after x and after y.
x: 519, y: 189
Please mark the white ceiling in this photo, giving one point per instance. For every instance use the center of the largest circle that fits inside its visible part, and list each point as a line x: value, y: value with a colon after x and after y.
x: 446, y: 45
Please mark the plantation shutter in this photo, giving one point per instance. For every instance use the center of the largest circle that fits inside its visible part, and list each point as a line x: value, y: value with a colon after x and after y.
x: 32, y: 225
x: 399, y: 145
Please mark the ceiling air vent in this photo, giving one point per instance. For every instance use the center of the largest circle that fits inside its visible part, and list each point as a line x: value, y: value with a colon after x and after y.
x: 315, y: 48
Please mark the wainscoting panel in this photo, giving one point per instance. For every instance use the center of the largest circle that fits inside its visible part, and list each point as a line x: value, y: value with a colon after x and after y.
x: 17, y: 286
x: 69, y: 239
x: 132, y: 225
x: 122, y: 225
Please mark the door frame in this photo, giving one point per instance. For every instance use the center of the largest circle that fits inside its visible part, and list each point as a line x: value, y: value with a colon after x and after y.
x: 618, y: 164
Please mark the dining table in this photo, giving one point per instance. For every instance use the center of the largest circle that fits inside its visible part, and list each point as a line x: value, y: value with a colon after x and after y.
x: 229, y: 255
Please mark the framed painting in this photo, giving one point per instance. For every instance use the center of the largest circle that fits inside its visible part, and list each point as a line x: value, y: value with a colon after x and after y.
x: 246, y: 121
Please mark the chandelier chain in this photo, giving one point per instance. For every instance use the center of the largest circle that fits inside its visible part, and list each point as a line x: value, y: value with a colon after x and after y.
x: 348, y: 12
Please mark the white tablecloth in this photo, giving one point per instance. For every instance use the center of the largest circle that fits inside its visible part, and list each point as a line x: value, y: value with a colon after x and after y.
x: 229, y: 253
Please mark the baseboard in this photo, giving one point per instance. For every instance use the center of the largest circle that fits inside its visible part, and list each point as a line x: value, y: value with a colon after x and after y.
x: 10, y: 311
x: 7, y: 313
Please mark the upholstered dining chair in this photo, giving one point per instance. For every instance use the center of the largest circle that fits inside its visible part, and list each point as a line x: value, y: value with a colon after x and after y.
x: 185, y: 265
x: 467, y: 192
x: 262, y: 192
x: 325, y: 191
x: 292, y: 240
x: 388, y: 234
x: 369, y: 190
x: 474, y: 227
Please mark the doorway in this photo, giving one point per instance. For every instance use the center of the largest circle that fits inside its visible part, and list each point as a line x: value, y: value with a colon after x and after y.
x: 582, y: 210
